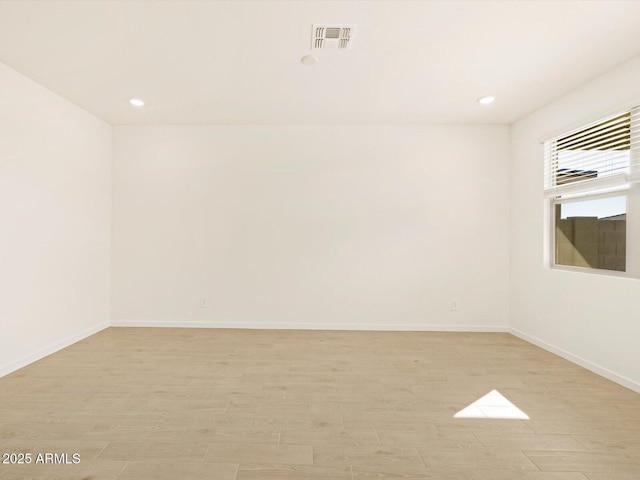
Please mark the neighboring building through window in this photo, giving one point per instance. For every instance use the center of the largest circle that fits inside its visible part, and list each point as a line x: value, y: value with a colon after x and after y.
x: 592, y: 233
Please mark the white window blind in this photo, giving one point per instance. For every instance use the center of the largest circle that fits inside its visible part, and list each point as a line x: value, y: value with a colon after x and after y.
x: 602, y: 155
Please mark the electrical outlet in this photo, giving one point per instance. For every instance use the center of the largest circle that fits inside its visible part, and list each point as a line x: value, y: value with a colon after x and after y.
x: 454, y: 305
x: 204, y: 302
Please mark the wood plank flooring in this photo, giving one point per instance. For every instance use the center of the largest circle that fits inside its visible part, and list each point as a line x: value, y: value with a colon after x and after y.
x: 183, y: 404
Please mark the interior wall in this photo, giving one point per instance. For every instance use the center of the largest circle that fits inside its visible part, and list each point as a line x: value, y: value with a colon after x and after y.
x: 376, y: 227
x: 55, y: 200
x: 592, y: 319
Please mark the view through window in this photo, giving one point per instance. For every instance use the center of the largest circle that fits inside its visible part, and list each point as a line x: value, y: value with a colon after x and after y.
x: 592, y: 233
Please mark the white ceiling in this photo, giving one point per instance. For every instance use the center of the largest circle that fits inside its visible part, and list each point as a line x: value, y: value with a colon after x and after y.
x: 238, y: 62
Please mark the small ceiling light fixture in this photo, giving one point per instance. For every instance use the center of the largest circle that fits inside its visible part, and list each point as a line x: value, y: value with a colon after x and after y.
x: 488, y: 100
x: 309, y: 60
x: 136, y: 102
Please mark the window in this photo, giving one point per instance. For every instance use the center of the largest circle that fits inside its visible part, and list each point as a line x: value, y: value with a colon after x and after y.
x: 588, y: 176
x: 592, y: 233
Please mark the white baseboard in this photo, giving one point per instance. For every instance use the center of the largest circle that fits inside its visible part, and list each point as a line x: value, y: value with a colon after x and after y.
x: 408, y: 327
x: 54, y: 347
x: 595, y: 368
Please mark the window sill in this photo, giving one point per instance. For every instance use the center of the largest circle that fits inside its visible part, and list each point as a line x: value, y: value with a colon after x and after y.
x: 592, y: 271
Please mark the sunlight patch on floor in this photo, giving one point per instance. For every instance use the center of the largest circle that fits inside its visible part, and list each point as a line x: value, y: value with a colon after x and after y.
x: 492, y: 405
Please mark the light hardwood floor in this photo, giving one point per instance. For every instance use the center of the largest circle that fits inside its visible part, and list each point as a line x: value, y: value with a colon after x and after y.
x: 207, y: 404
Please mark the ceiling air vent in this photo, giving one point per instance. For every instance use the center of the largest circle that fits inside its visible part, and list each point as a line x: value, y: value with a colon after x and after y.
x: 333, y: 37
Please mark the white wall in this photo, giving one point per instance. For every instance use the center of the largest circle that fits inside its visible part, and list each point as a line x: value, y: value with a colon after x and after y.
x: 311, y: 226
x: 55, y: 162
x: 588, y: 318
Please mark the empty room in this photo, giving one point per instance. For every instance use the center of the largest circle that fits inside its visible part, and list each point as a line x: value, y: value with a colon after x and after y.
x: 319, y: 240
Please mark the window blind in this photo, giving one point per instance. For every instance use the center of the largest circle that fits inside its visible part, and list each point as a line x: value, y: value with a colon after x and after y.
x: 602, y: 155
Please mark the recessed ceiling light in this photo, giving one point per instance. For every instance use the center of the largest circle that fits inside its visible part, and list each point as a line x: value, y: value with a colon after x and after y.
x: 136, y: 102
x: 309, y: 60
x: 486, y: 100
